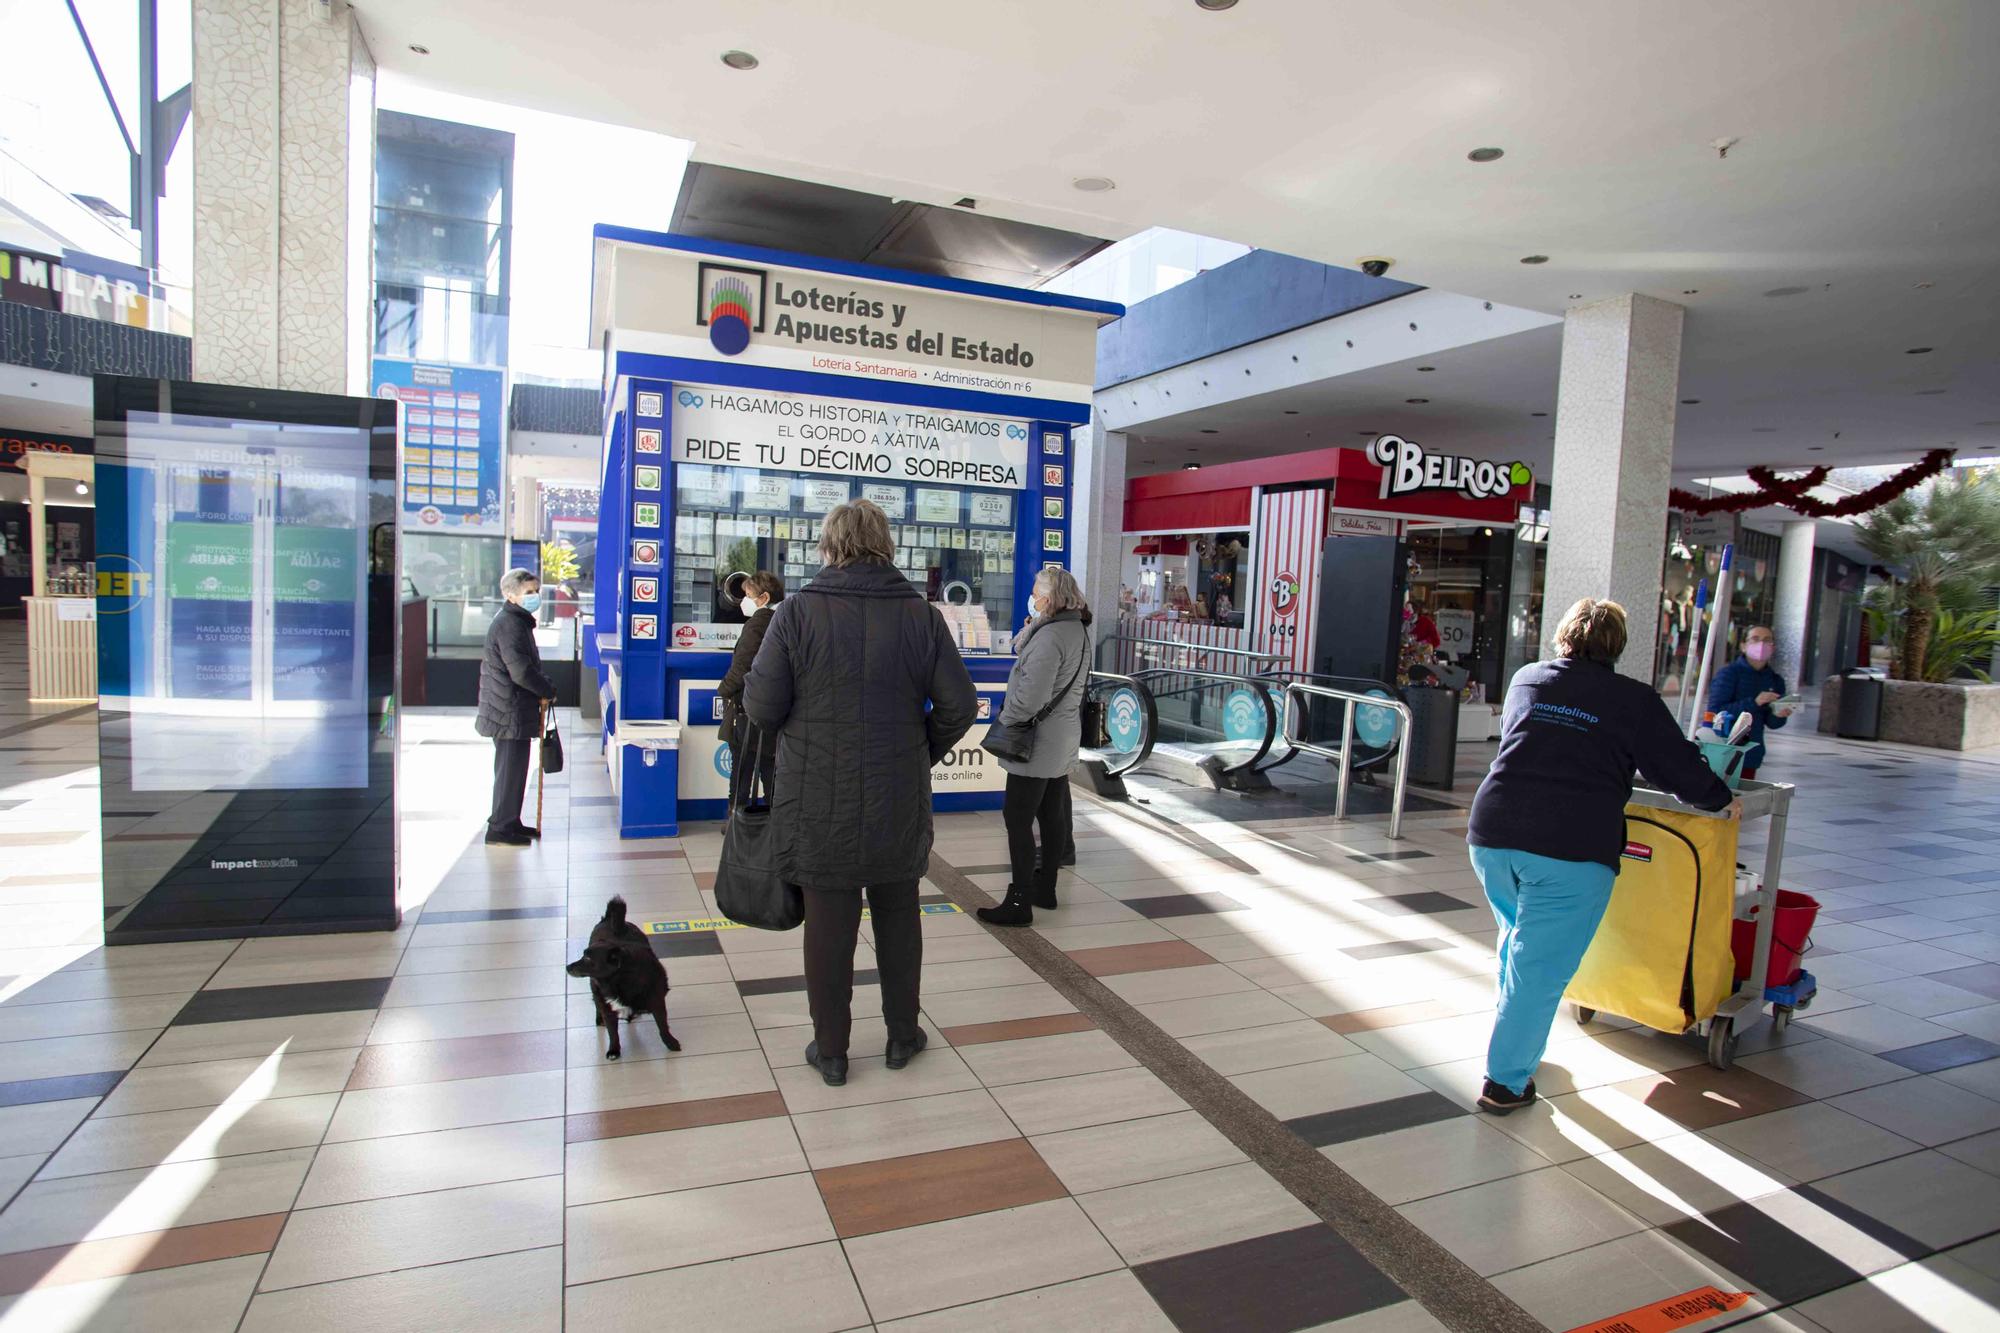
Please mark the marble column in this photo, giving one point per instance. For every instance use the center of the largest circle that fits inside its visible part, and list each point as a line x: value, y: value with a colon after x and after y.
x: 1614, y: 465
x: 1789, y: 622
x: 284, y: 131
x: 1099, y: 528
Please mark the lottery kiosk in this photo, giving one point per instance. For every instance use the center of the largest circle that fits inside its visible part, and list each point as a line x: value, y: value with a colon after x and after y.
x: 747, y: 393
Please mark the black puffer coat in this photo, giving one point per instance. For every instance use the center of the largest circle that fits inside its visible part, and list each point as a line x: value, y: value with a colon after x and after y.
x: 842, y: 677
x: 512, y: 683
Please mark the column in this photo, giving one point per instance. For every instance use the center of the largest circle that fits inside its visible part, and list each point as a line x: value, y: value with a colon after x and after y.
x: 284, y: 128
x: 1789, y: 622
x: 1614, y: 465
x: 1098, y: 530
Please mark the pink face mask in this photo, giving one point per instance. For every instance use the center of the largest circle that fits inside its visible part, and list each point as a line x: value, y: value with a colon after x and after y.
x: 1759, y: 653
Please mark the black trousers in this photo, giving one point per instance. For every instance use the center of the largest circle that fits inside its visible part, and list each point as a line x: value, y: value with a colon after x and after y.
x: 833, y: 923
x: 1029, y: 802
x: 510, y: 783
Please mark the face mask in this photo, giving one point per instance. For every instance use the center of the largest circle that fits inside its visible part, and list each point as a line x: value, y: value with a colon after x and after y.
x: 1759, y: 653
x: 749, y: 607
x: 531, y: 603
x: 1037, y: 606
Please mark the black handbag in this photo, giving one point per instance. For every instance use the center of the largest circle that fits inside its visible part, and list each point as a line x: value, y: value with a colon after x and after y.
x: 748, y: 888
x: 552, y: 751
x: 1015, y: 743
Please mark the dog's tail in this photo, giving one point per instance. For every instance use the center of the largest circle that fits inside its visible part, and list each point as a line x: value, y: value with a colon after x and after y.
x: 614, y: 911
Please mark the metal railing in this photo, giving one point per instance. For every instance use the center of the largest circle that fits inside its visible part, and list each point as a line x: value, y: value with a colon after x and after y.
x: 1163, y: 647
x: 1208, y: 679
x: 1345, y: 755
x: 1149, y: 713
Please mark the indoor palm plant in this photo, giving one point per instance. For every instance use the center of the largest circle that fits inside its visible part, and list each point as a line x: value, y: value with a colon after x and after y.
x: 1948, y: 533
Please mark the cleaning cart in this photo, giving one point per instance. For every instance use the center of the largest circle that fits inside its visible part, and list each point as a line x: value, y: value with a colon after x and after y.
x: 1663, y: 955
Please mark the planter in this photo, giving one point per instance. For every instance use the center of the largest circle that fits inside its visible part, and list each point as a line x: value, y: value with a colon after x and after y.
x: 1944, y: 717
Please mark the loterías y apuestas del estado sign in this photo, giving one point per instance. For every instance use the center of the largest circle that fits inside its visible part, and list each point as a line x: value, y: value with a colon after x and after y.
x: 1408, y: 468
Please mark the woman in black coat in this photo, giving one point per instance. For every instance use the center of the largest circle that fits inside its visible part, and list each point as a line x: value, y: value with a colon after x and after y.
x: 761, y: 591
x: 512, y: 686
x: 843, y: 676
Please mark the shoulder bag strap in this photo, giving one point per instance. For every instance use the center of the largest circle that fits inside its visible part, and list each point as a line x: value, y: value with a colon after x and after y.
x: 1063, y: 693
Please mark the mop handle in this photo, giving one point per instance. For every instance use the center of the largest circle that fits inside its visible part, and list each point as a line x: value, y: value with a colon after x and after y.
x: 1695, y: 647
x: 1718, y: 623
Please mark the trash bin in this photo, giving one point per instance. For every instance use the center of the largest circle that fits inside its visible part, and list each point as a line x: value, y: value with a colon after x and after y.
x: 646, y: 776
x: 1433, y: 737
x: 1860, y: 707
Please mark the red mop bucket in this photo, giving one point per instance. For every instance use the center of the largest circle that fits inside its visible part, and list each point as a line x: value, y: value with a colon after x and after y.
x: 1791, y: 934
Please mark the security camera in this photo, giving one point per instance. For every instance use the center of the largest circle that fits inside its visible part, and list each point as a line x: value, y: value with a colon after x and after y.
x: 1375, y: 266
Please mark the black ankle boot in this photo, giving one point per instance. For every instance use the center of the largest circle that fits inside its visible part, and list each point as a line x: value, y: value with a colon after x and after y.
x: 1014, y: 910
x: 832, y: 1068
x: 1044, y: 896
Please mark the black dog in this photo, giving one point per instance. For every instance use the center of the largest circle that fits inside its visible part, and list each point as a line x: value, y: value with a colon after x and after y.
x: 622, y: 967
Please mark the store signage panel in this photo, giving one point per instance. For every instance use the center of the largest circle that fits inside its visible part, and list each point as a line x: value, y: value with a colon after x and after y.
x: 16, y: 445
x: 1397, y: 477
x: 791, y: 432
x: 452, y: 461
x: 687, y: 305
x: 1361, y: 525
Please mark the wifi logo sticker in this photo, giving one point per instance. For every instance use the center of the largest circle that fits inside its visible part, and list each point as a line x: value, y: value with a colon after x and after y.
x: 731, y: 305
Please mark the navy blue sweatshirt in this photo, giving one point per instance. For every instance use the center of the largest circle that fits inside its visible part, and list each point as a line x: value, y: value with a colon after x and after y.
x: 1571, y: 735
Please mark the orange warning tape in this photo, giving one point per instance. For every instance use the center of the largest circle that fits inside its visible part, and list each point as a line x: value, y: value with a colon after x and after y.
x: 1690, y: 1307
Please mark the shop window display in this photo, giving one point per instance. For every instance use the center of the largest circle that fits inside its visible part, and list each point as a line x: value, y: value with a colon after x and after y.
x: 1752, y: 602
x: 1459, y: 596
x: 955, y: 543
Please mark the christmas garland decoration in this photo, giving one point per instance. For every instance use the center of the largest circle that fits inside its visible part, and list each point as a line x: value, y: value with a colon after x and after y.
x: 1791, y: 492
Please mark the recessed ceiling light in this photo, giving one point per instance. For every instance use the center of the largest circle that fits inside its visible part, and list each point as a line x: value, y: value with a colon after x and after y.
x: 1538, y: 414
x: 1370, y: 434
x: 1093, y: 184
x: 1190, y: 467
x: 1576, y: 296
x: 420, y: 50
x: 1215, y: 6
x: 1925, y: 286
x: 1917, y: 351
x: 1425, y: 370
x: 82, y: 489
x: 1814, y: 448
x: 1416, y: 400
x: 1788, y: 291
x: 1689, y: 402
x: 1691, y: 291
x: 1206, y: 431
x: 1534, y: 259
x: 1486, y: 154
x: 1291, y: 411
x: 739, y: 60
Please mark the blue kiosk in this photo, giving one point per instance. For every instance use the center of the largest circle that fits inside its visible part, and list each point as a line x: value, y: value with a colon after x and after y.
x: 748, y: 392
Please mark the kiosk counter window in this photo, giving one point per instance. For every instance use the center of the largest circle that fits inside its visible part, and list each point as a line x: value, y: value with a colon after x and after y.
x: 955, y: 543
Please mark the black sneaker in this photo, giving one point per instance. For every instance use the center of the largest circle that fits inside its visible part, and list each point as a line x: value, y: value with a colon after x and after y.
x: 527, y: 831
x: 832, y: 1068
x: 900, y: 1053
x: 509, y: 839
x: 1497, y: 1100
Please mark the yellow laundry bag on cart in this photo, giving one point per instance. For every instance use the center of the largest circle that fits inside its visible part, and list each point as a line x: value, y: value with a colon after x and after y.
x: 1662, y: 955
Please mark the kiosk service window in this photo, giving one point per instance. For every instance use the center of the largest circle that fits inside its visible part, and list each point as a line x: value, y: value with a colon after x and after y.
x: 755, y: 474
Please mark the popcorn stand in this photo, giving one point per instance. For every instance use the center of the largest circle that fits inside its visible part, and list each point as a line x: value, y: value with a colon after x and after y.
x: 749, y: 392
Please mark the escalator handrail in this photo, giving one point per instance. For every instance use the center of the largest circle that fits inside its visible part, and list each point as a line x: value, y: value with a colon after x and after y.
x: 1324, y: 681
x: 1263, y: 692
x: 1149, y: 710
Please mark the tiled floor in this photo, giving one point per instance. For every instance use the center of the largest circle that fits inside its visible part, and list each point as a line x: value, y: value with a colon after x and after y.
x: 419, y: 1130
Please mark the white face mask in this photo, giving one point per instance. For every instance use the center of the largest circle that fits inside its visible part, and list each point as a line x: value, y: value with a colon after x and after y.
x: 1038, y: 606
x: 749, y: 607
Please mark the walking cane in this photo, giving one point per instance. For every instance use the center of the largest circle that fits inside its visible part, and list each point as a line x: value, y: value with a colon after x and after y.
x: 539, y: 775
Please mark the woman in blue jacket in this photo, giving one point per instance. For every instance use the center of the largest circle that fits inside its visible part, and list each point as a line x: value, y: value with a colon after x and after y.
x: 1548, y: 824
x: 1749, y: 685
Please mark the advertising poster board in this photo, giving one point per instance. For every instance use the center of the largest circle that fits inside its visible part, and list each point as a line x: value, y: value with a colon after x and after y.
x: 454, y: 466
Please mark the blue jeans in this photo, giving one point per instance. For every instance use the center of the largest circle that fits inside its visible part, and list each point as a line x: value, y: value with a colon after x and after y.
x: 1548, y: 911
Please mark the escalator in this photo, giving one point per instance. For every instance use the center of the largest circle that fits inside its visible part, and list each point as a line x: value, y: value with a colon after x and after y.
x: 1227, y: 728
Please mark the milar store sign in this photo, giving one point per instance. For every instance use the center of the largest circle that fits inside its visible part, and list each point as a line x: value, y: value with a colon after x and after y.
x: 1409, y: 469
x: 44, y: 281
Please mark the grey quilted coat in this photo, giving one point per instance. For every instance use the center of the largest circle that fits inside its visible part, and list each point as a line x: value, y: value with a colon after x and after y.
x: 512, y: 683
x: 843, y: 675
x: 1047, y: 658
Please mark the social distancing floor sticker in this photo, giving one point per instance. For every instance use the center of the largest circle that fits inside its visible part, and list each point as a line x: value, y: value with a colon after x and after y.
x: 724, y: 923
x: 1676, y: 1312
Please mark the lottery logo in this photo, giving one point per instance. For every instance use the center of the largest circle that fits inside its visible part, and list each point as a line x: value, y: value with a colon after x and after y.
x: 646, y: 442
x: 650, y: 405
x: 645, y: 590
x: 645, y: 627
x: 730, y: 304
x: 646, y: 479
x: 646, y: 551
x: 685, y: 636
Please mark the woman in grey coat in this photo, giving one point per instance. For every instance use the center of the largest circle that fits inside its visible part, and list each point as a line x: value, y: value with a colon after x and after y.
x: 1051, y: 662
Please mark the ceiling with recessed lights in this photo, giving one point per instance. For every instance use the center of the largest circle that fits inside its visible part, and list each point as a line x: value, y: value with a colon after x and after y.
x: 1852, y: 216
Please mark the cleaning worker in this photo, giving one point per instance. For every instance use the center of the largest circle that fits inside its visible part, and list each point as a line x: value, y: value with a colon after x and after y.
x: 1749, y: 685
x: 1548, y: 824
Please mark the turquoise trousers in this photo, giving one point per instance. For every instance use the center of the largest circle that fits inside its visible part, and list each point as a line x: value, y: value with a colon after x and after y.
x: 1548, y: 911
